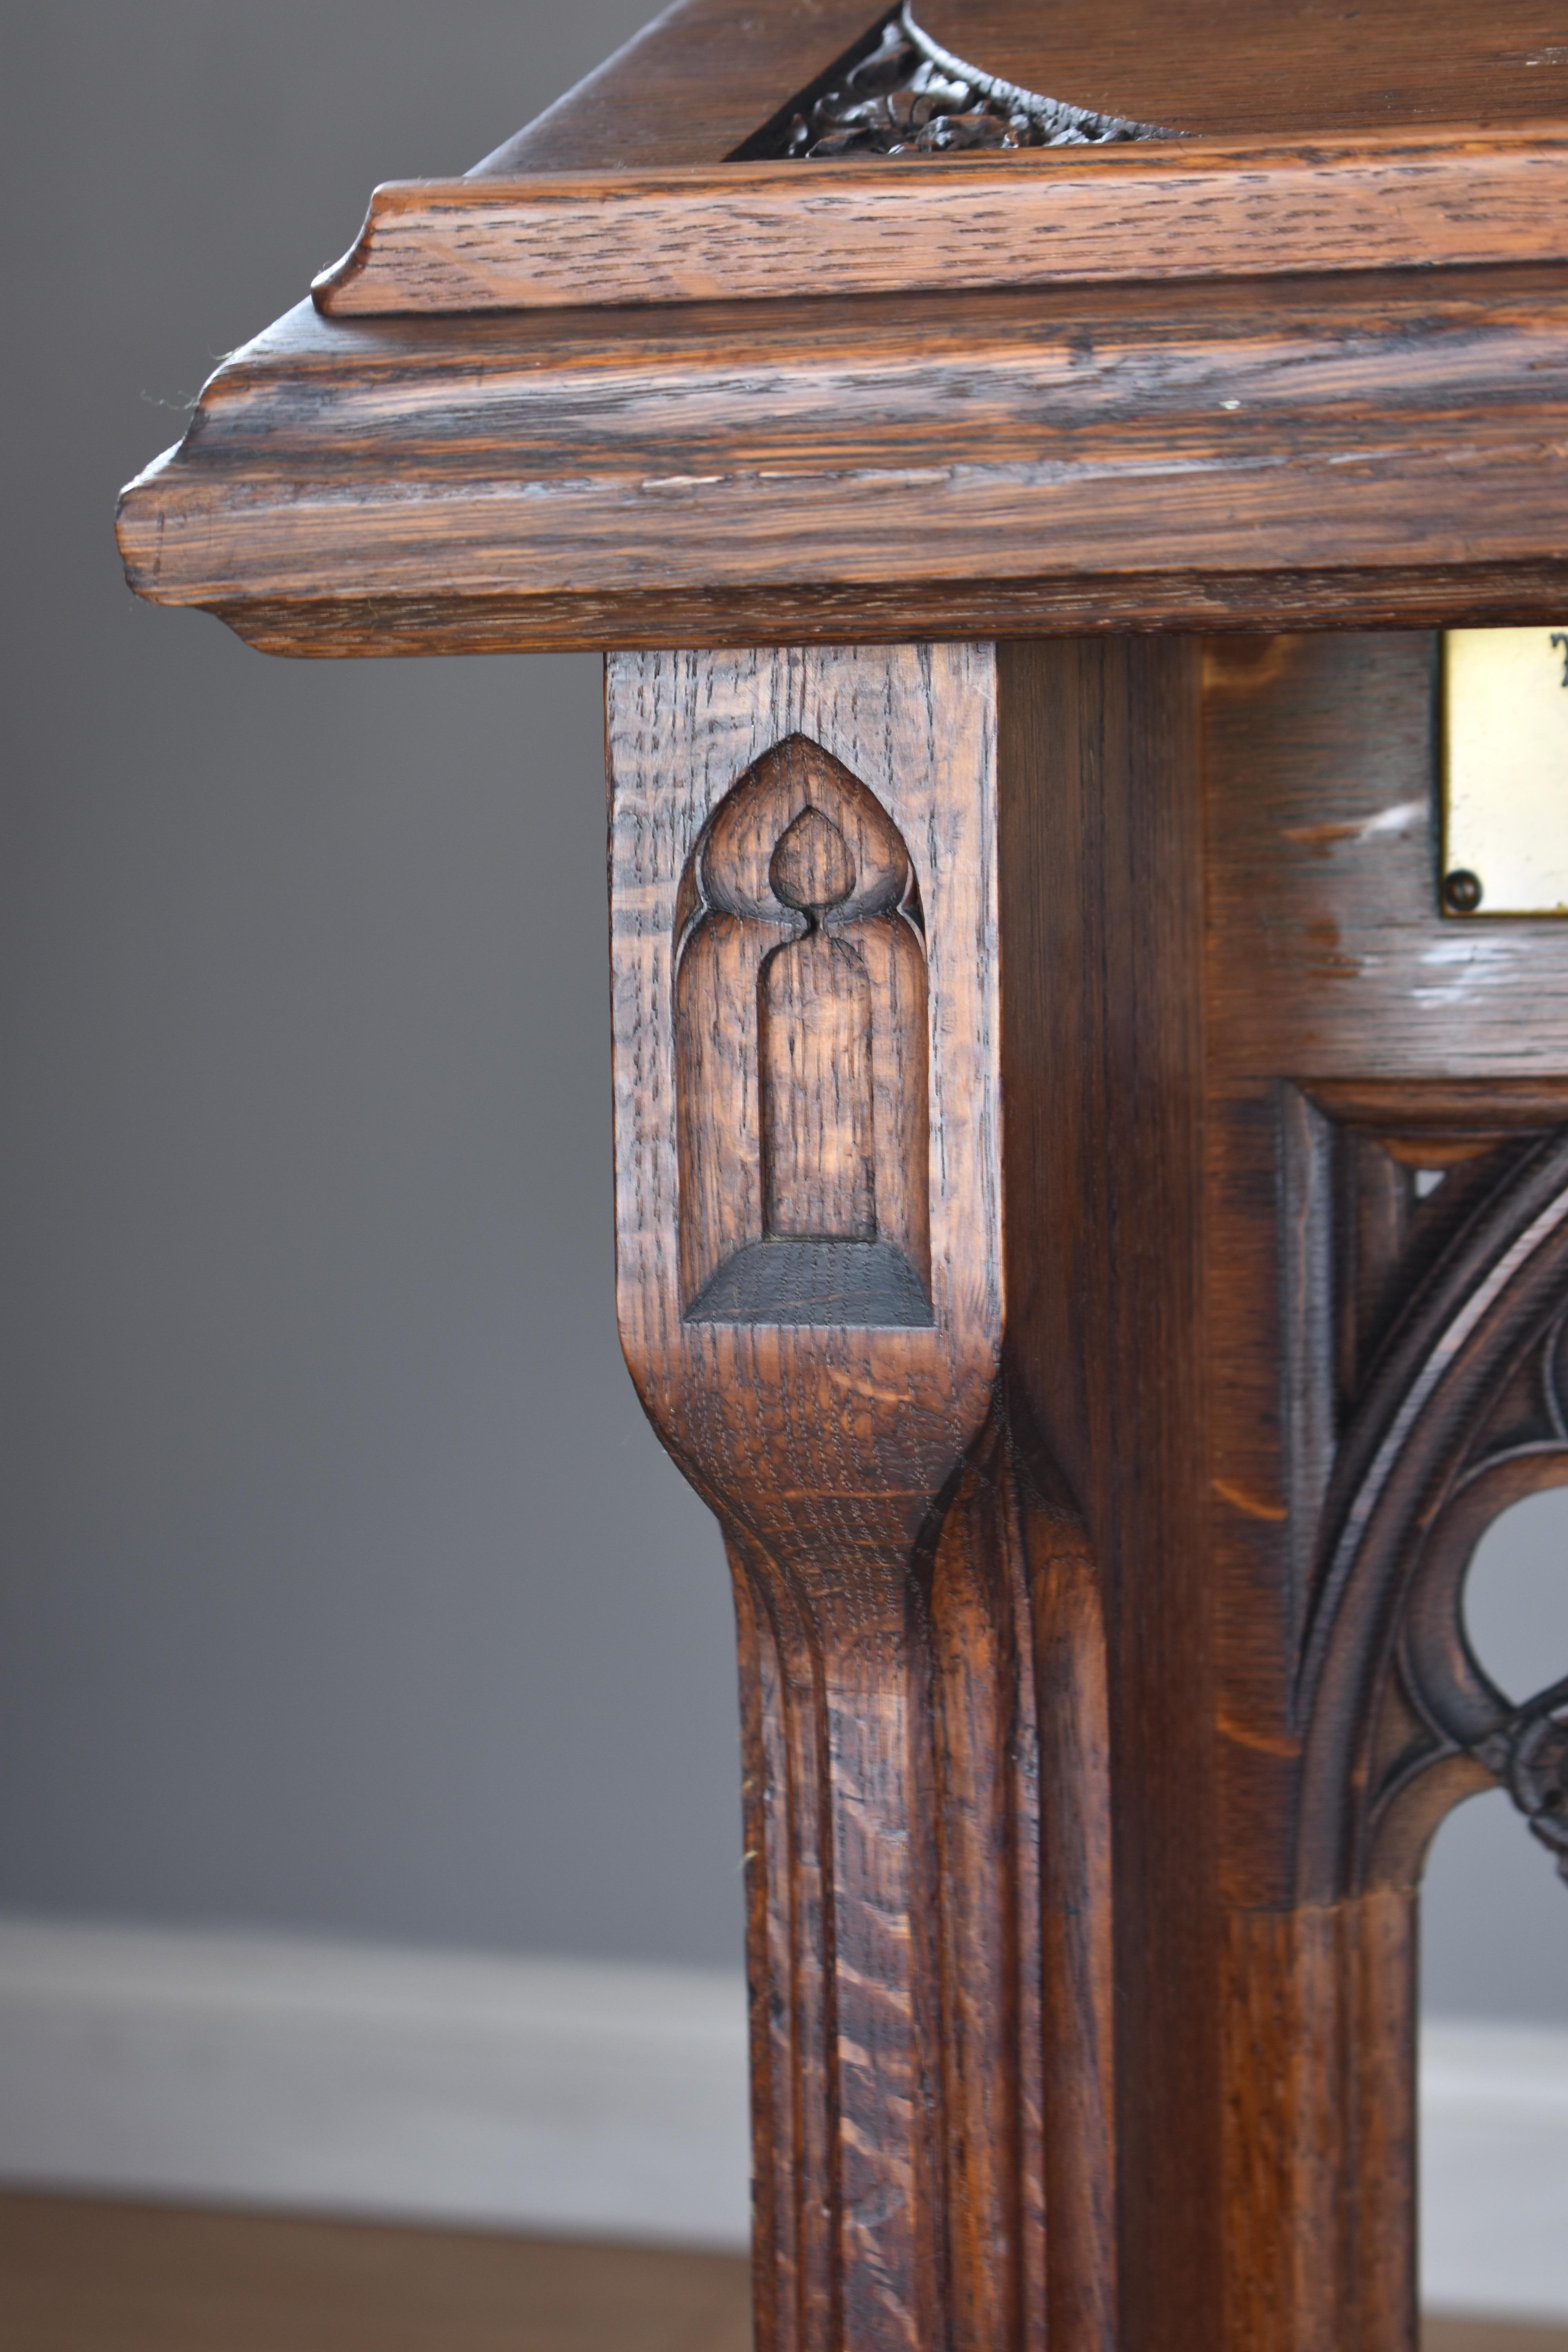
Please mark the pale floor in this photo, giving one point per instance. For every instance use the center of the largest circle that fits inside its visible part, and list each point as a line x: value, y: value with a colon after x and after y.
x: 80, y: 2276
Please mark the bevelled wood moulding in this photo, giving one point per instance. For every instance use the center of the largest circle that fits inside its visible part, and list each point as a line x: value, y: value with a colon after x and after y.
x: 1303, y: 363
x: 1294, y: 366
x: 746, y: 232
x: 1375, y: 447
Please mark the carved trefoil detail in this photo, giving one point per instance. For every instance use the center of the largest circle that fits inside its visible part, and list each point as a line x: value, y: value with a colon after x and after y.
x: 801, y: 1056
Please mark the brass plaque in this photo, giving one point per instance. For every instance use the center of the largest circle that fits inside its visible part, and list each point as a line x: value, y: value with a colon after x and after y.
x: 1505, y: 771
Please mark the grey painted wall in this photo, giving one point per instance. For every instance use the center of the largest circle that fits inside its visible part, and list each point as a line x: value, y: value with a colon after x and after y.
x: 344, y: 1586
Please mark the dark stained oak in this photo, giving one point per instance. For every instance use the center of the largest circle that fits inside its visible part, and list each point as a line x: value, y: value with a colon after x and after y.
x: 715, y: 71
x: 693, y: 85
x: 1369, y: 1343
x: 1147, y: 454
x: 637, y: 394
x: 1240, y: 66
x: 1089, y: 1223
x: 921, y: 1627
x: 881, y: 612
x: 1103, y: 1026
x: 1170, y: 1504
x: 1332, y: 960
x: 751, y: 232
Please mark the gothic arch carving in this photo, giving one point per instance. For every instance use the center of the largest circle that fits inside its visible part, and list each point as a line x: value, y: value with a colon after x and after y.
x: 1461, y: 1413
x: 801, y: 1055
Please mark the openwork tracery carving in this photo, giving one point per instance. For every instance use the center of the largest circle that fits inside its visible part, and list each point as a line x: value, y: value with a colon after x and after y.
x: 1528, y: 1754
x: 1461, y: 1410
x: 801, y: 1053
x: 904, y: 94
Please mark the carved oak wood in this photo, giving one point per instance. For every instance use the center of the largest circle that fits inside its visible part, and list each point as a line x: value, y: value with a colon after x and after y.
x: 1090, y: 1222
x: 1373, y: 447
x: 1373, y: 1333
x: 708, y: 75
x: 923, y: 1659
x: 759, y: 232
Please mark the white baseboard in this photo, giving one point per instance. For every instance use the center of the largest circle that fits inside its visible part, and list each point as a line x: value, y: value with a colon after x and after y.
x: 255, y: 2069
x: 1494, y: 2168
x: 578, y: 2098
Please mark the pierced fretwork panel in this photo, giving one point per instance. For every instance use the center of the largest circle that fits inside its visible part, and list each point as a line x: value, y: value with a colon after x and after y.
x: 899, y: 92
x: 1447, y: 1267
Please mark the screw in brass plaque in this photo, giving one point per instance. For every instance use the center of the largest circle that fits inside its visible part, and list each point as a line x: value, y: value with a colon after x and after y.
x: 1505, y: 771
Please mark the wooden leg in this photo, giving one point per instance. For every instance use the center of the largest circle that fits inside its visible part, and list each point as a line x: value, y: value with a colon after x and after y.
x: 928, y: 1922
x: 922, y: 1636
x: 1020, y: 1248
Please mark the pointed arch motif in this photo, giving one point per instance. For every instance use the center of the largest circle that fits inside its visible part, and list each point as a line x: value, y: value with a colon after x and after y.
x: 801, y: 1056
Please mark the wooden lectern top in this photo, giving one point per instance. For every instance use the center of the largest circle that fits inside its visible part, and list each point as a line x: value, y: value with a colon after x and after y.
x: 965, y: 320
x: 687, y: 90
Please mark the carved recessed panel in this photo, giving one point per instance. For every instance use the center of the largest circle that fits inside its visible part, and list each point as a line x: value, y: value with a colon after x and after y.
x: 801, y: 1056
x: 899, y: 92
x: 1445, y: 1258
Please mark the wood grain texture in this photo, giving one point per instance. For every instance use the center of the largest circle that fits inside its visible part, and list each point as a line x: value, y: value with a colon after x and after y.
x: 1249, y: 451
x: 708, y: 74
x: 1378, y: 1354
x: 1101, y: 1671
x: 1100, y: 1660
x: 922, y: 1644
x: 825, y: 1448
x: 673, y: 760
x: 1332, y: 970
x: 1332, y: 957
x: 1246, y: 65
x: 1320, y: 2126
x: 801, y: 1050
x: 1088, y: 461
x: 1466, y: 595
x: 756, y: 231
x: 690, y: 87
x: 1103, y: 1078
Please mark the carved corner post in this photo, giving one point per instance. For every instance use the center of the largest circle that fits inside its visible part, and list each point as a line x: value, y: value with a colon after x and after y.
x: 852, y: 1055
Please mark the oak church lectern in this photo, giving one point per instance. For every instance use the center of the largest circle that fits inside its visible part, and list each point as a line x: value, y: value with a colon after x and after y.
x: 1092, y: 1185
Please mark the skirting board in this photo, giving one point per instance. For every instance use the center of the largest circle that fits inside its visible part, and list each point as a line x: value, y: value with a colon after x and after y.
x: 1494, y: 2168
x: 573, y: 2096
